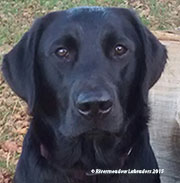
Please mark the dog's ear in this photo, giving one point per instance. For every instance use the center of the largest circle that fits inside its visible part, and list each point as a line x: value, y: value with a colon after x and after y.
x: 155, y: 57
x: 154, y: 53
x: 18, y: 65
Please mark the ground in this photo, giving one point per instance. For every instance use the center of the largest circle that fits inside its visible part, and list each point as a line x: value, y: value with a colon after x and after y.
x: 16, y: 17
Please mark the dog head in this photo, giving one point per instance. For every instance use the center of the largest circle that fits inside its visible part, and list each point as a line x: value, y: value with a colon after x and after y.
x: 87, y: 71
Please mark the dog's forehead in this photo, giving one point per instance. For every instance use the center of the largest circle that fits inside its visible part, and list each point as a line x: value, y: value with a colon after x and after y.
x: 93, y: 9
x: 87, y: 23
x: 89, y: 17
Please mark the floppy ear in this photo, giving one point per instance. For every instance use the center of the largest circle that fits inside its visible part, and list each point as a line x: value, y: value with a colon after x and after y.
x: 155, y: 54
x: 155, y: 57
x: 18, y: 65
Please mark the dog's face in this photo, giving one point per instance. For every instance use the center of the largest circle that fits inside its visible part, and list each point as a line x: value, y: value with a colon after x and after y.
x: 87, y: 71
x: 89, y: 63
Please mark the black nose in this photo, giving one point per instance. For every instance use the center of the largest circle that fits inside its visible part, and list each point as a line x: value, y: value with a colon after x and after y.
x: 94, y: 104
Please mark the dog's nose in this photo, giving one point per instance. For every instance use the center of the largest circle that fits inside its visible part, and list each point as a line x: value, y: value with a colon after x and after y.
x: 94, y: 104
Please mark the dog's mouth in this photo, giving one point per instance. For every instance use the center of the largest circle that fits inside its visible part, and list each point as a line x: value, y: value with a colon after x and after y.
x: 95, y: 134
x: 99, y: 134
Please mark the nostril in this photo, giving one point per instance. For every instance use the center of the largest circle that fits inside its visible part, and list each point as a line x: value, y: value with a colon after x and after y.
x: 94, y: 108
x: 105, y: 106
x: 93, y: 105
x: 84, y: 108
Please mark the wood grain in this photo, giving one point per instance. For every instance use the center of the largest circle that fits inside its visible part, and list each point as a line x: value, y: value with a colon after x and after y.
x: 165, y: 122
x: 167, y: 35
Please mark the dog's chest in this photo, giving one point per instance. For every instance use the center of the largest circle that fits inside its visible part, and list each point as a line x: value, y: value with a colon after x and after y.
x: 82, y: 178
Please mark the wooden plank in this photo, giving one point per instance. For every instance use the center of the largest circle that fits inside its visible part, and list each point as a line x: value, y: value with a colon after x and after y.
x: 167, y: 179
x: 165, y: 122
x: 167, y: 35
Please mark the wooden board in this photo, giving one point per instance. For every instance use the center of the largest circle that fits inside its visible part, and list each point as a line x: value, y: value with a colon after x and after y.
x: 167, y: 35
x: 165, y: 122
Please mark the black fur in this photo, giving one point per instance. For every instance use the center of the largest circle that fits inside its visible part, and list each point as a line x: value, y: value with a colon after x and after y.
x: 60, y: 146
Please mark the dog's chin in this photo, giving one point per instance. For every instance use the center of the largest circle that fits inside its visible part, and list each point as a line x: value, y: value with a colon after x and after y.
x: 97, y: 148
x: 103, y: 139
x: 98, y: 134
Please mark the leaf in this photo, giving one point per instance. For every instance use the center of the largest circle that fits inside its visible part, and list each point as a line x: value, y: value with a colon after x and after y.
x: 10, y: 146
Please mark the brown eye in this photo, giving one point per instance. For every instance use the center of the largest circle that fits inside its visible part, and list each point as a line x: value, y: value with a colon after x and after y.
x: 62, y: 52
x: 120, y: 50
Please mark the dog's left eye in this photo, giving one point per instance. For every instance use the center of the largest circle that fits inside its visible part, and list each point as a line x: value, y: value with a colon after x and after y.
x: 62, y: 52
x: 120, y: 50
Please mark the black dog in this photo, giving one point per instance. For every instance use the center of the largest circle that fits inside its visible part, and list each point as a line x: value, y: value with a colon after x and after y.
x: 85, y: 74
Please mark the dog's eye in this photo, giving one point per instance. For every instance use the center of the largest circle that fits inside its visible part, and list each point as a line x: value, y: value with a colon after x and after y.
x: 62, y: 52
x: 120, y: 50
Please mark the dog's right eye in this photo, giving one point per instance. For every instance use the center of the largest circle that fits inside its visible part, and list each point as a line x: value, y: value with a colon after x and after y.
x: 120, y: 50
x: 62, y: 52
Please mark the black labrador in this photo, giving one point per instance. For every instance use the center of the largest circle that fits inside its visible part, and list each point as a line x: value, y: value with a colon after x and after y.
x: 85, y: 74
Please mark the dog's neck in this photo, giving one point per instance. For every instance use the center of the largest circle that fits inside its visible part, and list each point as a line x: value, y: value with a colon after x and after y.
x: 81, y: 175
